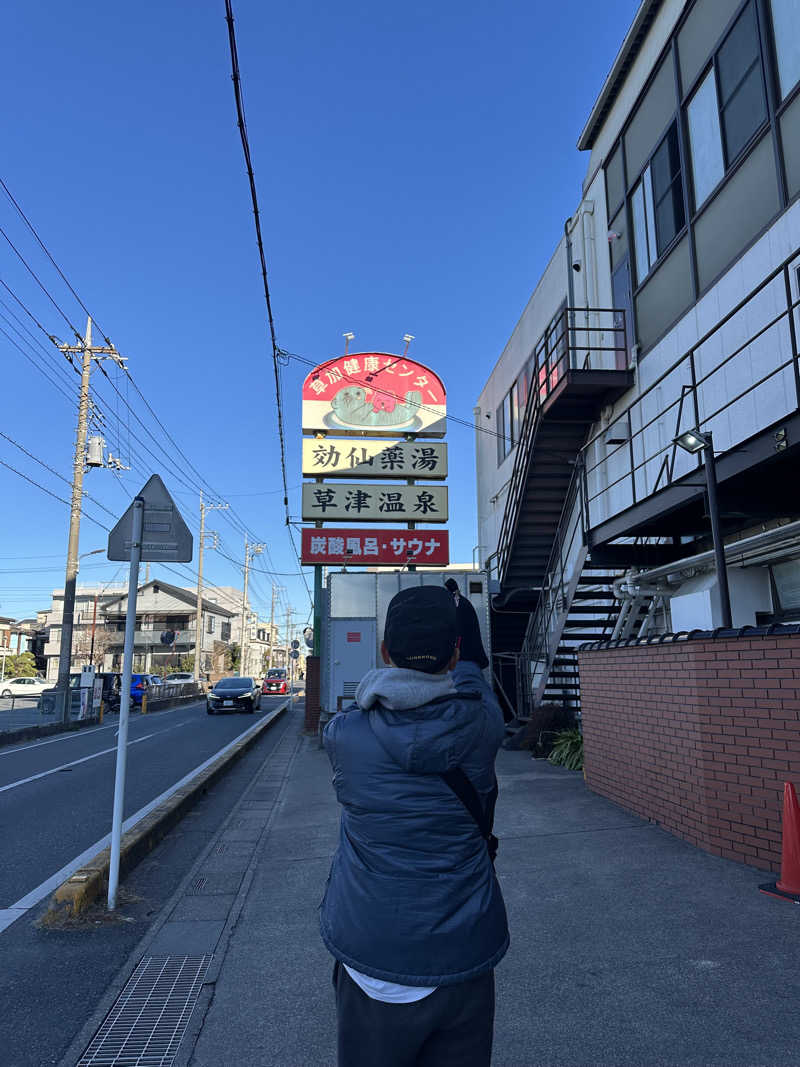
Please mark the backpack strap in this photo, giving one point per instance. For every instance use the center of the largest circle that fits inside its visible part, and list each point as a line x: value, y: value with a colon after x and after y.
x: 466, y: 792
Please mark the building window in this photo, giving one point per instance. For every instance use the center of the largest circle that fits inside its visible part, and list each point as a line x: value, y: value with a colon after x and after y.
x: 211, y: 624
x: 513, y: 394
x: 225, y: 631
x: 786, y: 24
x: 501, y: 433
x: 657, y: 205
x: 705, y: 141
x: 743, y: 106
x: 728, y: 107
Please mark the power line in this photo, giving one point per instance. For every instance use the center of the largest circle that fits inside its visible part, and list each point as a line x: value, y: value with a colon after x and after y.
x: 367, y: 384
x: 46, y: 251
x: 52, y: 470
x: 37, y: 367
x: 55, y: 496
x: 237, y: 92
x: 40, y: 283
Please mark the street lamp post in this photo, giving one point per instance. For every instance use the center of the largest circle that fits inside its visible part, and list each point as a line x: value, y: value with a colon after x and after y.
x: 694, y: 441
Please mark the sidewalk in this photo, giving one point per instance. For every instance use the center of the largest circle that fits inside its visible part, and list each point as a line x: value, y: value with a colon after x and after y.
x: 628, y: 946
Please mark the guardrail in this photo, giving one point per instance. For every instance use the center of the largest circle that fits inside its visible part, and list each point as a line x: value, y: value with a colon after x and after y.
x: 709, y: 387
x: 568, y: 345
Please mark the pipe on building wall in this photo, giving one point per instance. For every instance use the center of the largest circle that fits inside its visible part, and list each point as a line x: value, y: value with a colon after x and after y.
x: 734, y: 552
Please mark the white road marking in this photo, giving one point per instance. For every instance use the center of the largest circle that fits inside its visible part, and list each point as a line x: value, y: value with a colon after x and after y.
x: 15, y: 911
x: 85, y: 759
x: 11, y: 751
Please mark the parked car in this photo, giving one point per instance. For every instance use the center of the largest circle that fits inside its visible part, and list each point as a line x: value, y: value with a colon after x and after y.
x: 156, y: 679
x: 23, y: 687
x: 179, y: 676
x: 276, y: 681
x: 140, y: 683
x: 233, y: 694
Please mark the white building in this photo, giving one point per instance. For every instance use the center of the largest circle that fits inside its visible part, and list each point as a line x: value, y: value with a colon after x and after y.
x: 669, y: 304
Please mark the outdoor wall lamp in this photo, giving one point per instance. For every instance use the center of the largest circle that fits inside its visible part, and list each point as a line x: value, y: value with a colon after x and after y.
x: 694, y: 441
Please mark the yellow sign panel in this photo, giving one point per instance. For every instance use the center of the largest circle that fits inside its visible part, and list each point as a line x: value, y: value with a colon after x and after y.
x: 367, y: 502
x: 339, y: 457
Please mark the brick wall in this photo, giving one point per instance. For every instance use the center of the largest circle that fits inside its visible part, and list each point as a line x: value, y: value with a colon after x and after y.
x: 698, y: 736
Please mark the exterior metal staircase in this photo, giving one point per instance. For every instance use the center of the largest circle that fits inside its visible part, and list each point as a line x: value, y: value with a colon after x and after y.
x: 582, y: 369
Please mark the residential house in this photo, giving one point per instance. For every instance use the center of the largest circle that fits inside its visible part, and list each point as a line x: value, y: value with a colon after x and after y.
x: 166, y: 630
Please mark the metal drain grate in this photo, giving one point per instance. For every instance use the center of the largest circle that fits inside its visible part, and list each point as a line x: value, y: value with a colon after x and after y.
x: 146, y: 1024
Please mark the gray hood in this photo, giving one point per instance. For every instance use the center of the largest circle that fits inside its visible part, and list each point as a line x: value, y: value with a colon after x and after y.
x: 416, y: 723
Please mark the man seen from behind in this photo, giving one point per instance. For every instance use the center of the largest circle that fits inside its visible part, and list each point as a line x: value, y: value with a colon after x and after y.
x: 413, y: 913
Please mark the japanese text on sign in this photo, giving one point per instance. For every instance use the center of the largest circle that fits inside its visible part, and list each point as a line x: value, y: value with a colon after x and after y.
x: 374, y: 393
x: 431, y: 547
x: 338, y: 457
x: 323, y: 502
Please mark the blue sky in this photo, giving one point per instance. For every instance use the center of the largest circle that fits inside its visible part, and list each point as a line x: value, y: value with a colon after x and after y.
x: 415, y: 164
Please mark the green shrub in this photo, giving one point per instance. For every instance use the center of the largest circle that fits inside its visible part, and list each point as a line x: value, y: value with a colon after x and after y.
x: 568, y: 750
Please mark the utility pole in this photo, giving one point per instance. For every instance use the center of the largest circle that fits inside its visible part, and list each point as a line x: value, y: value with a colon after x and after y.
x: 272, y: 627
x: 198, y: 641
x: 289, y: 613
x: 87, y: 354
x: 198, y: 615
x: 250, y: 551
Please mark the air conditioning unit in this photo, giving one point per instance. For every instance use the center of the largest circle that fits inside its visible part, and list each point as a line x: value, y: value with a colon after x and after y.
x: 618, y: 434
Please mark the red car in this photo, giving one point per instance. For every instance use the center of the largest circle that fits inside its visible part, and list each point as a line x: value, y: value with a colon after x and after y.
x: 276, y: 681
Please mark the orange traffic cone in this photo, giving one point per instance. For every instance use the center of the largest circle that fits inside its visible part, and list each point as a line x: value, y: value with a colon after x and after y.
x: 788, y: 885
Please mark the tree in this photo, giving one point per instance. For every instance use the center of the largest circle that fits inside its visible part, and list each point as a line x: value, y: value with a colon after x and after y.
x: 21, y: 666
x: 233, y: 656
x: 82, y: 644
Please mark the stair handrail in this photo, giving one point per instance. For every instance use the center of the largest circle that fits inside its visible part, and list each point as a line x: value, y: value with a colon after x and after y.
x: 536, y: 644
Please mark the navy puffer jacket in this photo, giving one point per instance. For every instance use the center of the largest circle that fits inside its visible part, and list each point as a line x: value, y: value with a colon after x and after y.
x: 412, y: 896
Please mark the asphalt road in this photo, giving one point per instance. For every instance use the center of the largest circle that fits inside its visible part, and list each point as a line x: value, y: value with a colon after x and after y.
x: 56, y: 795
x: 51, y: 979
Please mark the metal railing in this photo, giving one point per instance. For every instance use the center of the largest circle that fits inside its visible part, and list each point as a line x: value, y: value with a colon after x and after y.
x: 710, y: 390
x: 559, y: 352
x: 563, y: 572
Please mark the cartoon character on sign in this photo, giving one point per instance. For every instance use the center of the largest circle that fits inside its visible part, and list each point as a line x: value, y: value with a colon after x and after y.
x: 373, y: 393
x: 356, y: 406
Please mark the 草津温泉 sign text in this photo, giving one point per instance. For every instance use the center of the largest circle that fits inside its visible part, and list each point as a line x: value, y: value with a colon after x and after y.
x: 338, y: 457
x: 376, y: 394
x: 356, y: 502
x: 384, y: 547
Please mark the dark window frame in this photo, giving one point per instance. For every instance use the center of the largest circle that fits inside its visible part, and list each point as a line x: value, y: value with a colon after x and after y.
x: 680, y: 233
x: 765, y: 58
x: 775, y: 110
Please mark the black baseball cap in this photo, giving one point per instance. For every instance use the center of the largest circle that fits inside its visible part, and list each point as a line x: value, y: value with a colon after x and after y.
x: 421, y: 631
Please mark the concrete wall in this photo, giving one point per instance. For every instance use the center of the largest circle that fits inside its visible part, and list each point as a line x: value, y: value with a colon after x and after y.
x: 698, y: 736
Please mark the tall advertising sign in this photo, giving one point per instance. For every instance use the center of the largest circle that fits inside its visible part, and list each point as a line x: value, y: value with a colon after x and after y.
x: 371, y: 418
x: 374, y: 394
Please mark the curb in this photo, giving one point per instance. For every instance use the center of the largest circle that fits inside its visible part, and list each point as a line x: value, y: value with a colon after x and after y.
x: 84, y: 886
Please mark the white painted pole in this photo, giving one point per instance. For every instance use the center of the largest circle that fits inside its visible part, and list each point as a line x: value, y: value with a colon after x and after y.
x: 124, y: 703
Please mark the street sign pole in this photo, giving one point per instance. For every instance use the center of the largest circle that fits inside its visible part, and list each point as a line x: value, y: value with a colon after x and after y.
x: 125, y: 700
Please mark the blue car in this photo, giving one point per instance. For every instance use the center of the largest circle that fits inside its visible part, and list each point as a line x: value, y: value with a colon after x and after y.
x: 140, y: 684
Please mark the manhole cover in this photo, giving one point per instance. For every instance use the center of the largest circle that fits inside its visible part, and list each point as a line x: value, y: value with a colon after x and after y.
x: 147, y: 1023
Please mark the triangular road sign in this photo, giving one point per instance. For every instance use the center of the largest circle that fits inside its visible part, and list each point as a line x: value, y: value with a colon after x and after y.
x: 165, y: 537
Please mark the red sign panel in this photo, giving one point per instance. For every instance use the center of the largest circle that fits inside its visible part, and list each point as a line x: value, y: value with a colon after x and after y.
x: 374, y: 393
x: 353, y: 637
x: 370, y: 548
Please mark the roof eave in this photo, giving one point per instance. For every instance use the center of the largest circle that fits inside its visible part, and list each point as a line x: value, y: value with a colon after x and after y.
x: 629, y: 49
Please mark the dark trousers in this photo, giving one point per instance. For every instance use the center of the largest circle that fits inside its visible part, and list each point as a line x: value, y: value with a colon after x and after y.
x: 452, y: 1027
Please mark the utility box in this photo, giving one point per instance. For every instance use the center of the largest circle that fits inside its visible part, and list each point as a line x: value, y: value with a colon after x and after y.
x: 354, y: 606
